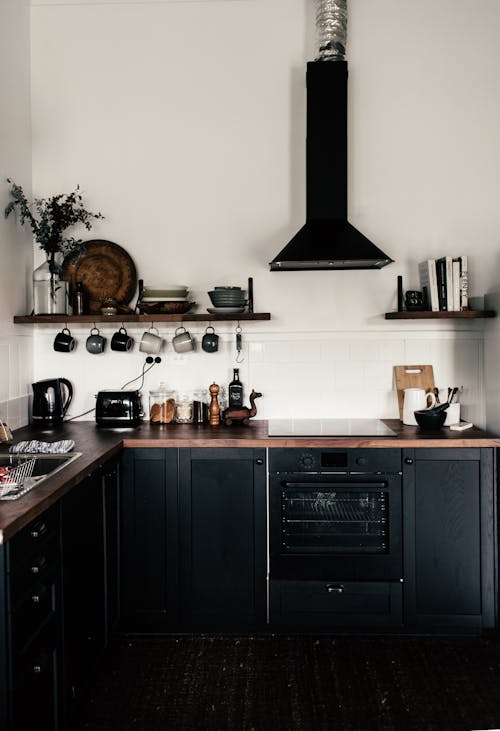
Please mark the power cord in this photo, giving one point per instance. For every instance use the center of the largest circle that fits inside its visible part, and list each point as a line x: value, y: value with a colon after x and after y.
x: 149, y: 363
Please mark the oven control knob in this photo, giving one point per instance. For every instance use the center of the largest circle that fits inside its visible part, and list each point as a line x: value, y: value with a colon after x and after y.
x: 306, y: 461
x: 361, y: 461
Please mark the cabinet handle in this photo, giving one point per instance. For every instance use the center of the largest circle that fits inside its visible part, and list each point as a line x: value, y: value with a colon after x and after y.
x: 259, y: 461
x: 39, y: 596
x: 39, y: 566
x: 38, y: 530
x: 335, y: 588
x: 408, y: 460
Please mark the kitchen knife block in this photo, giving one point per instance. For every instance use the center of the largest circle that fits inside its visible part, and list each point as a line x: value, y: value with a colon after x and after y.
x: 412, y: 376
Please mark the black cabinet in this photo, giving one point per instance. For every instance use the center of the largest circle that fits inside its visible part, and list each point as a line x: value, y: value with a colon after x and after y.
x: 193, y: 539
x: 83, y: 565
x: 30, y: 621
x: 222, y: 538
x: 148, y: 540
x: 449, y: 509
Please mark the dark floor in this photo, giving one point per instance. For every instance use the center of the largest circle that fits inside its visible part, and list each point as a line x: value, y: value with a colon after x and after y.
x: 296, y: 683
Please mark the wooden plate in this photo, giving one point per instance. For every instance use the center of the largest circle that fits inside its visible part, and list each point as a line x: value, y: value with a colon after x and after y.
x: 105, y: 270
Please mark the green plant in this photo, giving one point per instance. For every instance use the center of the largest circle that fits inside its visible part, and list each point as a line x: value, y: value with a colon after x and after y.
x: 50, y: 217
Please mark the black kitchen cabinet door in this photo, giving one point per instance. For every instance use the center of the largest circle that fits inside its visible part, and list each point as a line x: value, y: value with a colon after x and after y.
x: 30, y: 621
x: 449, y: 539
x: 148, y: 540
x: 83, y: 565
x: 111, y: 502
x: 222, y: 539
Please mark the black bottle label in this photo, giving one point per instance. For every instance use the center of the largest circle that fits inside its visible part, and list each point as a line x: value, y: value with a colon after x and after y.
x: 235, y: 395
x: 235, y: 391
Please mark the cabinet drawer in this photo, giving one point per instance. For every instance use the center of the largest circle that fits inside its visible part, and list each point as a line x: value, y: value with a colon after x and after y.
x: 335, y: 604
x: 32, y: 612
x: 35, y: 697
x: 40, y: 567
x: 27, y: 543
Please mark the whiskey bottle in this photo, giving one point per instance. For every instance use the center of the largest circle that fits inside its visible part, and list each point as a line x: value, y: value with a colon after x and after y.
x: 235, y: 390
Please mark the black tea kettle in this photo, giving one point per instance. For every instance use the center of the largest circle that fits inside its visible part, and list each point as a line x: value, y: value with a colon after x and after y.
x: 51, y: 399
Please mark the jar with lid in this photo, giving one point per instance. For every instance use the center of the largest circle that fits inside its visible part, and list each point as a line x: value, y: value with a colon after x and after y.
x: 184, y: 409
x: 200, y: 407
x: 161, y: 405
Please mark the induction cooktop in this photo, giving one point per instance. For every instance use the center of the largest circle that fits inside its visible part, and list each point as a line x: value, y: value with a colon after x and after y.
x: 328, y: 428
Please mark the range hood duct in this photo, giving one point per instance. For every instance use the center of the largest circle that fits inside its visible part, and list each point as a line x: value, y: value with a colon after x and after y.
x: 327, y: 240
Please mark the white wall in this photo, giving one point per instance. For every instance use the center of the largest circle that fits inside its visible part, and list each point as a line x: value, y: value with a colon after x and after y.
x: 16, y: 357
x: 184, y: 123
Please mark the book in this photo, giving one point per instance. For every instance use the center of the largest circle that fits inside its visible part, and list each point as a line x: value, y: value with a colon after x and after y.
x: 428, y: 283
x: 456, y: 284
x: 441, y: 283
x: 449, y: 282
x: 464, y: 283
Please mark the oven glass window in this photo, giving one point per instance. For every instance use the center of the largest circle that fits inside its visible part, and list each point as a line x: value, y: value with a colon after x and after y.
x: 335, y: 520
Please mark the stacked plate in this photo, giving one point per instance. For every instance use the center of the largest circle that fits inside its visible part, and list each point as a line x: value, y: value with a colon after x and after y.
x: 227, y: 300
x: 172, y: 299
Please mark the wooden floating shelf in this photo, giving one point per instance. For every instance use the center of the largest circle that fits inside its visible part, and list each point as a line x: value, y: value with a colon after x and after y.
x: 75, y: 319
x: 427, y: 315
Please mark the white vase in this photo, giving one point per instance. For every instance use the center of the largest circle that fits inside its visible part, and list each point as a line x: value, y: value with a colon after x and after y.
x: 50, y: 291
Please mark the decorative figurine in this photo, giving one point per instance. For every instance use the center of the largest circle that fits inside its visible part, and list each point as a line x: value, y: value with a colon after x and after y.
x: 243, y: 413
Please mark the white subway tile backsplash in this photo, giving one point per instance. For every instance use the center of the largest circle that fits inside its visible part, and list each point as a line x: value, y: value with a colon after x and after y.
x: 4, y: 379
x: 334, y: 350
x: 378, y: 376
x: 350, y: 376
x: 392, y: 351
x: 301, y: 373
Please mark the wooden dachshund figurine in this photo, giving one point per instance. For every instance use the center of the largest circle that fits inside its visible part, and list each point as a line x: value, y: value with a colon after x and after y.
x: 243, y: 413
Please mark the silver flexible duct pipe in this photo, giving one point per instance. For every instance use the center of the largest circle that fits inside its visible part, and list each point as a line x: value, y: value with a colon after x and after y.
x: 331, y: 29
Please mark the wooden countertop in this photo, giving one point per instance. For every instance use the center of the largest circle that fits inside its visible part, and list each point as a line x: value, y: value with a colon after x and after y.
x: 98, y: 445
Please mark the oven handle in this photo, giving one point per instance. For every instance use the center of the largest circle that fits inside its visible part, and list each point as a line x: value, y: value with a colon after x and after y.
x: 320, y: 485
x: 335, y: 588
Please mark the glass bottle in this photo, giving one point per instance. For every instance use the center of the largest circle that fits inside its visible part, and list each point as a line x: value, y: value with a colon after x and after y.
x: 50, y: 291
x: 235, y: 389
x: 78, y: 300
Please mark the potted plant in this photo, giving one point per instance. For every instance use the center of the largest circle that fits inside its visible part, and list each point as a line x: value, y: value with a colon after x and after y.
x: 49, y: 219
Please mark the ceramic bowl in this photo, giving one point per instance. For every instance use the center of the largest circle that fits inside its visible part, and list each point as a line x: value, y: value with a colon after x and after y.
x: 432, y: 419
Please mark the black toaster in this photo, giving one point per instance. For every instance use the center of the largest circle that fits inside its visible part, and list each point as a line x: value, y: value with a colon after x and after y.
x: 118, y: 409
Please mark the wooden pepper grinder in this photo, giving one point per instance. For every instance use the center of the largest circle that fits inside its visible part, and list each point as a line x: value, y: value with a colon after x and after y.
x: 214, y: 408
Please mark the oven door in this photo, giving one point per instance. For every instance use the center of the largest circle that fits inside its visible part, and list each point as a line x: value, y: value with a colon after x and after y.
x: 344, y: 527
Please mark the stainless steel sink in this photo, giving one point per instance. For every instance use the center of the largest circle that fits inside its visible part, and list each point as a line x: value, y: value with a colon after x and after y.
x: 27, y: 471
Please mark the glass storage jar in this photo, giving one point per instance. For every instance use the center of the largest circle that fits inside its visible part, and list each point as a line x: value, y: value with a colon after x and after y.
x: 184, y: 409
x: 161, y: 405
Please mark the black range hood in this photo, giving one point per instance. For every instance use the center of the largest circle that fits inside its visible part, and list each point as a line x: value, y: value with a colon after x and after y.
x: 327, y: 240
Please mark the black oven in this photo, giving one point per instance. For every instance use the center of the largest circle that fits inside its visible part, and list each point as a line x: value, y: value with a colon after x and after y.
x: 335, y: 513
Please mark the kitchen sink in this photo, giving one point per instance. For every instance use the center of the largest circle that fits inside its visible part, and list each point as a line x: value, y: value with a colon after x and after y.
x: 23, y: 472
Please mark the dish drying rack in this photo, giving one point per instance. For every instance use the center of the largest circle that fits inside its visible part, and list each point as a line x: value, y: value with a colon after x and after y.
x: 18, y: 480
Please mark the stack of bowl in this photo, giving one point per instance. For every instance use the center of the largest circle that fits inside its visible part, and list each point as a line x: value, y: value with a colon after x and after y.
x: 227, y: 300
x: 172, y: 299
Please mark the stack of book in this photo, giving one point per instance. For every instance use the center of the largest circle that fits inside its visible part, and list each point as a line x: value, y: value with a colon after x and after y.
x: 445, y: 283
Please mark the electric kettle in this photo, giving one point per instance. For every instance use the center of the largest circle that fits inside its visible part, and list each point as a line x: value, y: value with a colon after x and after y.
x: 51, y: 399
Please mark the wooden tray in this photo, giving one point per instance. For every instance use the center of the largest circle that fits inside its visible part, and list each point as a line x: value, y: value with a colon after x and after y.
x: 412, y: 376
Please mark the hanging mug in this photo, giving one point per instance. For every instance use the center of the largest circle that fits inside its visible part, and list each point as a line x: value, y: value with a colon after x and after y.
x: 182, y: 341
x: 121, y: 340
x: 210, y: 341
x: 151, y: 341
x: 64, y: 342
x: 95, y: 342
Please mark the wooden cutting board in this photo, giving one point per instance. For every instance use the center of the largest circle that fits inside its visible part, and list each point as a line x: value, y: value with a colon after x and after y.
x: 412, y: 376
